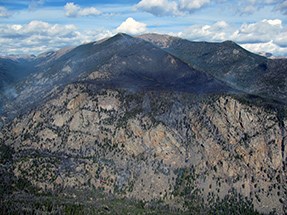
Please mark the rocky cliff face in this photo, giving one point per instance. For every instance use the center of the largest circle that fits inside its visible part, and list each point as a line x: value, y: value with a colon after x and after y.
x: 134, y: 120
x: 172, y: 147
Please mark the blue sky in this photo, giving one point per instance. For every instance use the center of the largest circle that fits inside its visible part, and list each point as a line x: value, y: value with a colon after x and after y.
x: 35, y: 26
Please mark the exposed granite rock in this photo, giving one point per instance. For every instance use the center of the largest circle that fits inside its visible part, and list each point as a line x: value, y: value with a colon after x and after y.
x: 139, y: 146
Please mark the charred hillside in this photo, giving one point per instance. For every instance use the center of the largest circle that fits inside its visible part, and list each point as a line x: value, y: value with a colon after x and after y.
x: 152, y: 125
x: 231, y: 64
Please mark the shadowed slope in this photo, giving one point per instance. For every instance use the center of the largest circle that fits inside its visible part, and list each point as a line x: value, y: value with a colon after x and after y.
x: 229, y: 63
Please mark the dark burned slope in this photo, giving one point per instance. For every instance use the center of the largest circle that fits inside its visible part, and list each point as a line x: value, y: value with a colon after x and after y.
x: 229, y: 63
x: 129, y: 60
x: 14, y: 69
x: 157, y: 62
x: 112, y: 116
x: 121, y: 61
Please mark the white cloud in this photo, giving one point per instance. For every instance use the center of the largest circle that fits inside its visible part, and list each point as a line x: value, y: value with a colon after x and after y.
x: 183, y: 7
x: 263, y: 36
x: 281, y: 39
x: 131, y: 26
x: 190, y: 5
x: 35, y: 27
x: 170, y: 7
x: 159, y: 7
x: 268, y: 35
x: 4, y: 13
x: 263, y: 31
x: 74, y: 10
x: 219, y: 31
x: 90, y: 11
x: 71, y: 9
x: 37, y: 36
x: 269, y: 47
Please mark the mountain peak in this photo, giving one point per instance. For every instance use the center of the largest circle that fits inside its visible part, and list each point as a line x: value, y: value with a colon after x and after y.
x: 147, y: 118
x: 124, y: 35
x: 160, y: 40
x: 231, y: 43
x: 154, y: 35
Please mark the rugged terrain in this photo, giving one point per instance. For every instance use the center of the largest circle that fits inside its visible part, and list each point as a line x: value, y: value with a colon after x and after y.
x: 230, y: 63
x: 128, y: 118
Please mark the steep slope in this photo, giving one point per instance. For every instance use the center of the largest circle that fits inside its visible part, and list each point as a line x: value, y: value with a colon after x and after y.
x: 15, y: 69
x: 12, y: 70
x: 188, y: 152
x: 123, y: 118
x: 230, y: 63
x: 274, y: 83
x: 121, y: 61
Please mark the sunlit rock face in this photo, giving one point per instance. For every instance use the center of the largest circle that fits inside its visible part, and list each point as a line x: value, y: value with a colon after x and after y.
x: 134, y: 119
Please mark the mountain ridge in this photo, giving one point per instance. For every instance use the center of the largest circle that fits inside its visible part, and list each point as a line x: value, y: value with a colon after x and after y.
x: 112, y: 58
x: 208, y: 58
x: 125, y: 123
x: 228, y: 62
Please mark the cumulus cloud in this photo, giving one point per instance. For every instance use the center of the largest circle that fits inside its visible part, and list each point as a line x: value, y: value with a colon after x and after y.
x: 219, y: 31
x: 74, y: 10
x: 263, y: 36
x: 268, y: 47
x: 192, y: 5
x: 183, y: 7
x: 4, y: 13
x: 131, y: 26
x: 268, y: 35
x: 170, y: 7
x: 35, y: 27
x: 159, y: 7
x: 263, y: 31
x: 281, y: 39
x: 37, y: 36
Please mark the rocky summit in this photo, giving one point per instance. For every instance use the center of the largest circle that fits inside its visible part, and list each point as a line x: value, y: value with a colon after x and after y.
x: 143, y: 125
